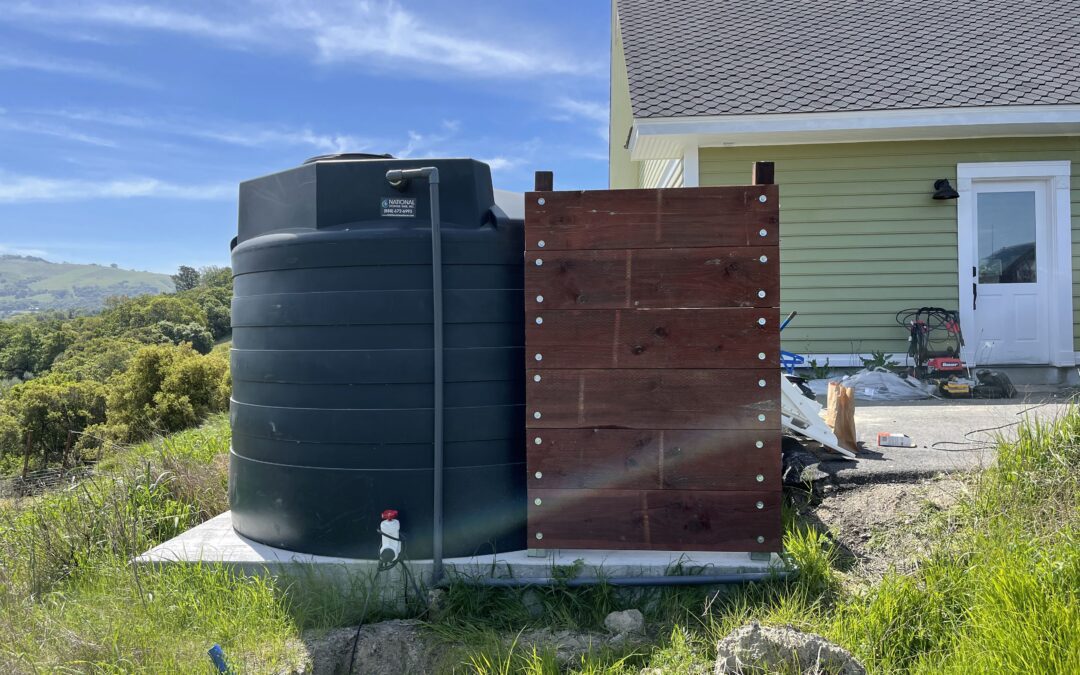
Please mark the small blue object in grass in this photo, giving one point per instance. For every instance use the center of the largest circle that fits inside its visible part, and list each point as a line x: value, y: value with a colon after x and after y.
x: 218, y: 657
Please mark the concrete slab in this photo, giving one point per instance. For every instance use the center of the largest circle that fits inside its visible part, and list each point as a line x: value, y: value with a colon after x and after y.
x: 215, y: 541
x: 951, y: 435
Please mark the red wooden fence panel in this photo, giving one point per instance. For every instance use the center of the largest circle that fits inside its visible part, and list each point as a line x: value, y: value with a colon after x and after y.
x: 652, y: 360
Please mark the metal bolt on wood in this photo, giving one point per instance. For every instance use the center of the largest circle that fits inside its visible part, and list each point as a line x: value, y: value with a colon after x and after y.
x: 541, y: 243
x: 538, y: 501
x: 539, y: 320
x: 539, y: 475
x: 763, y: 232
x: 764, y: 258
x: 536, y: 378
x: 540, y: 261
x: 761, y: 540
x: 760, y: 478
x: 760, y: 505
x: 761, y: 321
x: 761, y: 356
x: 761, y: 418
x: 539, y: 357
x: 761, y: 383
x: 538, y: 440
x: 539, y: 535
x: 539, y: 298
x: 536, y: 414
x: 541, y: 201
x: 761, y: 294
x: 763, y: 199
x: 759, y: 444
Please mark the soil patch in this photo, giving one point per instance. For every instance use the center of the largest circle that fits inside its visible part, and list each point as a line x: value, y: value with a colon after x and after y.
x: 888, y: 524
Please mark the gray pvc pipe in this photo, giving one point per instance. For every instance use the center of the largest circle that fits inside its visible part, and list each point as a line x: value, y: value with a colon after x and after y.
x: 681, y: 580
x: 397, y: 177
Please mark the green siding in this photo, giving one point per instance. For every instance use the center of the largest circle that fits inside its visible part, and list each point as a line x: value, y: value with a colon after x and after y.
x: 622, y: 172
x: 860, y: 236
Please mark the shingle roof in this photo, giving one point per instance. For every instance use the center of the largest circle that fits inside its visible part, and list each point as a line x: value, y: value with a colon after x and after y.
x: 732, y: 57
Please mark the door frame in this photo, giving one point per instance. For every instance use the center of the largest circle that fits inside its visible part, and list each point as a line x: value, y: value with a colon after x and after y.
x: 1056, y: 175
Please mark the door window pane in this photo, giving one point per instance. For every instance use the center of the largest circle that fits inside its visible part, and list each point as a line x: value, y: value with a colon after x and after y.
x: 1006, y: 226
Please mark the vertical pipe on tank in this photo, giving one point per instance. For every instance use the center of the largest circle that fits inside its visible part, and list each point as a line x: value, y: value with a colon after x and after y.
x: 399, y: 179
x: 437, y: 347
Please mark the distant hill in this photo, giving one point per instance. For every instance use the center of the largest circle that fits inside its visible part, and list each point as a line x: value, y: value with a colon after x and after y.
x: 29, y: 284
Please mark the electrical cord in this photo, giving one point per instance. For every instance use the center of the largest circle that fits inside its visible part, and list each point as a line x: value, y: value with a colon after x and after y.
x: 383, y: 566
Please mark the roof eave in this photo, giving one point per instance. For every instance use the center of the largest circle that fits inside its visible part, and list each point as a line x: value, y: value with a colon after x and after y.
x: 669, y: 137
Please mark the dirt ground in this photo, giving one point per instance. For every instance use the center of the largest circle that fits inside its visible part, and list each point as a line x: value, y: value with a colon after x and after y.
x: 885, y: 525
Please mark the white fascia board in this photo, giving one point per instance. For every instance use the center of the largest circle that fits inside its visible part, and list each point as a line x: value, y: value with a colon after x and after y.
x: 656, y: 138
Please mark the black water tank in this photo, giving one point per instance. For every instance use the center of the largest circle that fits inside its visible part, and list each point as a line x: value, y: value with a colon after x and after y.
x: 332, y: 361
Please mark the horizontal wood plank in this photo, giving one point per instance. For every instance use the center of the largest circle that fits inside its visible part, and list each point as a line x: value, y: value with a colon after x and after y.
x: 630, y: 459
x: 654, y: 399
x: 654, y: 278
x: 631, y: 219
x: 652, y: 338
x: 680, y: 520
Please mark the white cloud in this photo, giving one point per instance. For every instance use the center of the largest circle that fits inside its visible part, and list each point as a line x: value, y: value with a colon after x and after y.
x: 368, y: 32
x: 21, y: 188
x: 84, y: 69
x: 245, y: 135
x: 19, y: 250
x: 591, y: 111
x: 58, y: 131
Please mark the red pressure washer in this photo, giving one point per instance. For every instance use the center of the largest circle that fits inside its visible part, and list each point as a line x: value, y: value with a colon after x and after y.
x: 934, y: 341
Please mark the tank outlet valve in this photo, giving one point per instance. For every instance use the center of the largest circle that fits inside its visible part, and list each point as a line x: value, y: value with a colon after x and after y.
x: 390, y: 529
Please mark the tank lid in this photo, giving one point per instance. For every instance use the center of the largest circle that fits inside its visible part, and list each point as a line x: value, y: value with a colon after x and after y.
x: 345, y: 156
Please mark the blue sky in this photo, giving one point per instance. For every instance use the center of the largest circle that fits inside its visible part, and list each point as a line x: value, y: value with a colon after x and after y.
x: 125, y: 128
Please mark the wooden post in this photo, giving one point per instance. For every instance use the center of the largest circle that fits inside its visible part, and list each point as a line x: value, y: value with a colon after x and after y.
x: 67, y: 449
x: 764, y: 173
x: 26, y: 454
x: 545, y: 181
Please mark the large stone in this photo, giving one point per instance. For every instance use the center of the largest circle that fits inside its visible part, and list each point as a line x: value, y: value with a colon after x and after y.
x: 760, y: 649
x: 386, y: 648
x: 627, y: 622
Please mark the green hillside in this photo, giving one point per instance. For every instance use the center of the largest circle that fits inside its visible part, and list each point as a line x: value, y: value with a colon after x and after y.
x: 29, y: 284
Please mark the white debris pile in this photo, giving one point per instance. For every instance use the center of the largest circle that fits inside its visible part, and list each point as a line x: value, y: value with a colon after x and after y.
x: 883, y: 385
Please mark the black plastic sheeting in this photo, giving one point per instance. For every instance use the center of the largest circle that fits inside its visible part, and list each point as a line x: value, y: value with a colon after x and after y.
x: 332, y: 362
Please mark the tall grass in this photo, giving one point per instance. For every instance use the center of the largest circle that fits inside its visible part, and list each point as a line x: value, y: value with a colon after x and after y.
x: 998, y: 593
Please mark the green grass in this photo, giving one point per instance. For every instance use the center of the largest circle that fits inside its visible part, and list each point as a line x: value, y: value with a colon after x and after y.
x: 998, y: 592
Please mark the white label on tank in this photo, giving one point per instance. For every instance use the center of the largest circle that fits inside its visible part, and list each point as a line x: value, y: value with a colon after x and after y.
x: 398, y: 207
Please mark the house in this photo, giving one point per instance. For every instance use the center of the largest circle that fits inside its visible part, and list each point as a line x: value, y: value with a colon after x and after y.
x: 864, y: 106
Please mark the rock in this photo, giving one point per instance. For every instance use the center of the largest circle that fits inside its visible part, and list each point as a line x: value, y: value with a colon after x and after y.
x: 436, y: 602
x: 533, y: 603
x: 755, y: 648
x: 387, y: 648
x: 628, y: 622
x: 569, y: 646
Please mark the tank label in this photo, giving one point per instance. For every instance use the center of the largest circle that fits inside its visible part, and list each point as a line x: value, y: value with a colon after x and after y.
x: 399, y: 207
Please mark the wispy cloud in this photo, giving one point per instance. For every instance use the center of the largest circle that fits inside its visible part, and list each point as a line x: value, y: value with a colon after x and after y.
x: 5, y: 249
x: 244, y: 135
x: 83, y: 69
x: 55, y: 130
x: 374, y: 33
x: 573, y: 110
x: 21, y: 188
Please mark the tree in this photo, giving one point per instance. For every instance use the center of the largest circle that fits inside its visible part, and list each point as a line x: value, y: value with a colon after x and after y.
x: 50, y: 406
x: 166, y: 388
x: 186, y: 278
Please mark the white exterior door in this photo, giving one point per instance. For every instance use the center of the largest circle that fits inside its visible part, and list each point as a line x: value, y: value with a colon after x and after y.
x: 1011, y: 273
x: 1015, y: 262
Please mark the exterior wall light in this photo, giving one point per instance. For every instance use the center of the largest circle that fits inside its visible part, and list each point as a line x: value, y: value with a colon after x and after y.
x: 943, y: 190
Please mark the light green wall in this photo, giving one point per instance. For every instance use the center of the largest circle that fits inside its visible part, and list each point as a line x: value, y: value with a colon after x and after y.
x: 860, y: 236
x: 623, y: 173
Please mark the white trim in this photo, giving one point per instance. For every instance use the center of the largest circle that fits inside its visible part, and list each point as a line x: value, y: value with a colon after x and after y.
x: 690, y: 175
x: 654, y: 138
x: 1056, y: 174
x: 667, y: 179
